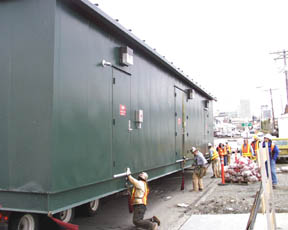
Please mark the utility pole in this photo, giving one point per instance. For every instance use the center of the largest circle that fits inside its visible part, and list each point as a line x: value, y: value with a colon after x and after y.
x: 283, y: 55
x: 272, y: 108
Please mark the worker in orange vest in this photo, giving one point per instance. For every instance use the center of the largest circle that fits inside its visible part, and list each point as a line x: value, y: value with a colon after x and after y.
x: 255, y: 145
x: 246, y: 149
x: 221, y: 149
x: 228, y: 150
x: 139, y: 201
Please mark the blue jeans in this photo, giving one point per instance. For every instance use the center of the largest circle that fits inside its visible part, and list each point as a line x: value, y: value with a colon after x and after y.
x: 273, y: 171
x: 225, y: 160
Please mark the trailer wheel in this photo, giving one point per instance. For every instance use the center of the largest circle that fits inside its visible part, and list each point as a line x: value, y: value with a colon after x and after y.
x: 89, y: 209
x: 23, y: 221
x: 66, y: 216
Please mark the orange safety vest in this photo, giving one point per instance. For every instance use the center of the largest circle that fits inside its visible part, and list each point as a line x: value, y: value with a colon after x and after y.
x: 246, y: 151
x: 144, y: 198
x: 220, y: 151
x: 215, y: 154
x: 255, y: 146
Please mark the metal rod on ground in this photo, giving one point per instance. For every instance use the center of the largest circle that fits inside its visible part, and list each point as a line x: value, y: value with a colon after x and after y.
x: 183, y: 176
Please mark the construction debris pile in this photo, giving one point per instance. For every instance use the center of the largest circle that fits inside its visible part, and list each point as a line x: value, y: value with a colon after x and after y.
x: 242, y: 170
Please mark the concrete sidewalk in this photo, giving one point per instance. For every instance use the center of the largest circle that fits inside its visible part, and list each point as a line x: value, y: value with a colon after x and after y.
x: 232, y: 222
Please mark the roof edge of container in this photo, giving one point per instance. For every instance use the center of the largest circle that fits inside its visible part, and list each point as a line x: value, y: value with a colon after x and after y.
x: 89, y: 7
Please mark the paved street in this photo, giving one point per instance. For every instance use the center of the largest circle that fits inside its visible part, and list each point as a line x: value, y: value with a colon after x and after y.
x: 166, y: 194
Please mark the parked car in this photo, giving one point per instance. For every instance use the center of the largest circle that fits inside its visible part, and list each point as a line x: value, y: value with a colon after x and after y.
x: 282, y: 144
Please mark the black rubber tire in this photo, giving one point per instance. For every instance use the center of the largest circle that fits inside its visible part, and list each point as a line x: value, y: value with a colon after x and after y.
x: 59, y: 215
x: 16, y: 219
x: 87, y: 210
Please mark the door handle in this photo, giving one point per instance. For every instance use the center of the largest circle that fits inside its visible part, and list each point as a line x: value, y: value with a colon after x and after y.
x: 129, y: 126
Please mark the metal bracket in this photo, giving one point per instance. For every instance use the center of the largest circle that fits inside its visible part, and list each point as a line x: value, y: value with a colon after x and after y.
x: 183, y: 159
x: 120, y: 175
x: 106, y: 63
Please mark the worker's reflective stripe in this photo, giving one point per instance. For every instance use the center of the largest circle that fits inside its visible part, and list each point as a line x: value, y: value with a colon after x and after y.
x: 228, y: 148
x: 225, y: 151
x: 144, y: 198
x: 246, y: 151
x: 215, y: 154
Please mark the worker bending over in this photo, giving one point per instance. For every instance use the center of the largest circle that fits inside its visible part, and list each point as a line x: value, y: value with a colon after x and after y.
x: 139, y: 201
x: 214, y: 156
x: 199, y: 171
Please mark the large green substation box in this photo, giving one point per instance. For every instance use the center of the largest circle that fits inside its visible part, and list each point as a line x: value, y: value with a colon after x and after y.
x: 82, y: 99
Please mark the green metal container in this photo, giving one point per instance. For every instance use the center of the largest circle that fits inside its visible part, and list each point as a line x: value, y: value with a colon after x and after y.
x: 68, y: 124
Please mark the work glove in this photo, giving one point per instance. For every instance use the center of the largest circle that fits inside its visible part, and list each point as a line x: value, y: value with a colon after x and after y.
x: 128, y: 171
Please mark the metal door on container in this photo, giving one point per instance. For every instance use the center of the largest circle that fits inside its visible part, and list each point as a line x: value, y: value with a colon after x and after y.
x: 121, y: 121
x: 180, y: 123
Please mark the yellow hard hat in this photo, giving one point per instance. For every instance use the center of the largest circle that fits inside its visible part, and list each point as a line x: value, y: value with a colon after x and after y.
x: 255, y: 137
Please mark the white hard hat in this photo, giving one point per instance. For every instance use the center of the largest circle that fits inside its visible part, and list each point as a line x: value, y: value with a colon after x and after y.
x: 268, y: 136
x: 143, y: 176
x: 193, y: 149
x: 209, y: 144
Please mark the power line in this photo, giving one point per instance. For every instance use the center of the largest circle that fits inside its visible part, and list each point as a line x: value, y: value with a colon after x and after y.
x: 283, y: 55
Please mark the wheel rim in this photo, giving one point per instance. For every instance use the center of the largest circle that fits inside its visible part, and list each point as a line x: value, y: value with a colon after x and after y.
x: 66, y: 215
x: 94, y: 204
x: 27, y: 222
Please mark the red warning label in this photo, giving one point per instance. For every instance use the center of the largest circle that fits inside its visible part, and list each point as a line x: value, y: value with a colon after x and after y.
x: 122, y: 110
x: 179, y: 121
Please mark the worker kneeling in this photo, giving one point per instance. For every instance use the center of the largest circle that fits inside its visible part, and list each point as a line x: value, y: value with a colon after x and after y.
x: 199, y: 171
x: 139, y: 201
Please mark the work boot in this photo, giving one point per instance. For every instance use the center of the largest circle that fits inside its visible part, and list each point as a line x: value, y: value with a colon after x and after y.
x: 213, y: 176
x: 154, y: 226
x: 156, y: 220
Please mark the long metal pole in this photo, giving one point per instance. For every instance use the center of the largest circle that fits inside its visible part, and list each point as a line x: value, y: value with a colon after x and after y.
x: 273, y: 126
x: 286, y: 77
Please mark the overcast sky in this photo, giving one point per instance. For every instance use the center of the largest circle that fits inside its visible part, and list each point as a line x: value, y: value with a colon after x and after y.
x: 222, y: 44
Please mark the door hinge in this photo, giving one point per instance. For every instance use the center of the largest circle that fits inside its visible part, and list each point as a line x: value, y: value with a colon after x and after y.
x: 175, y: 114
x: 114, y: 80
x: 114, y: 164
x: 175, y: 133
x: 175, y: 94
x: 113, y: 121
